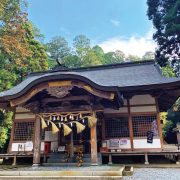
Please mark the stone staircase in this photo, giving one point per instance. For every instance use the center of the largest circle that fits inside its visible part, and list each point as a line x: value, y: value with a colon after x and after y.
x: 57, y: 159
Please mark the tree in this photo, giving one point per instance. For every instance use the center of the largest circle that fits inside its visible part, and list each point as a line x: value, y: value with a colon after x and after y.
x: 168, y: 71
x: 114, y: 57
x: 81, y: 46
x: 5, y: 126
x: 58, y: 48
x: 20, y: 52
x: 12, y: 33
x: 133, y: 58
x: 148, y: 56
x: 166, y: 20
x: 37, y: 34
x: 91, y: 59
x: 99, y: 53
x: 119, y: 56
x: 72, y: 61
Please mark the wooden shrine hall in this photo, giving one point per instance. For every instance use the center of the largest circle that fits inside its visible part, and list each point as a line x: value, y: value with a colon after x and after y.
x: 91, y: 111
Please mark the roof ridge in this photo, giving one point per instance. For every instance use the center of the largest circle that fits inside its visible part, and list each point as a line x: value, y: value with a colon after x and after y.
x: 124, y: 64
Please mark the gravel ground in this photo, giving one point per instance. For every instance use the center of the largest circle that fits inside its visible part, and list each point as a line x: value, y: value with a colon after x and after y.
x: 155, y: 174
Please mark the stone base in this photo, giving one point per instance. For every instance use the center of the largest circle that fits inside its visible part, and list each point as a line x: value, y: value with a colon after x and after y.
x: 35, y: 165
x: 94, y: 164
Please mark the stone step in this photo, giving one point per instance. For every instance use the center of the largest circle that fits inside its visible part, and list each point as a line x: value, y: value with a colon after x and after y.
x: 60, y: 160
x: 64, y: 164
x: 62, y: 177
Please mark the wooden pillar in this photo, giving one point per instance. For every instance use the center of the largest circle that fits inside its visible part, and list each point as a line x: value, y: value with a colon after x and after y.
x: 146, y: 159
x: 110, y: 159
x: 72, y: 146
x: 130, y: 125
x: 103, y: 129
x: 94, y: 158
x: 159, y: 122
x: 37, y: 142
x: 14, y: 160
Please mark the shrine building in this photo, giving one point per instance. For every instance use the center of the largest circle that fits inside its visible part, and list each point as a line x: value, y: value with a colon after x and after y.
x: 101, y: 111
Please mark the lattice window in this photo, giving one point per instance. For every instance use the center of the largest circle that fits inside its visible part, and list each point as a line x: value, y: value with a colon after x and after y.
x: 23, y: 131
x: 116, y: 127
x: 143, y: 124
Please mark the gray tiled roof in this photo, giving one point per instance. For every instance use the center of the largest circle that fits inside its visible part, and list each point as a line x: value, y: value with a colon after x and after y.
x: 120, y: 75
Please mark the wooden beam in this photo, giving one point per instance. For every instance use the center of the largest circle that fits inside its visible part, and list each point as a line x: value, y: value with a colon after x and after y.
x: 38, y: 88
x: 130, y: 124
x: 4, y: 105
x: 159, y: 123
x: 90, y: 89
x: 37, y: 142
x: 71, y: 98
x: 94, y: 157
x: 72, y: 109
x: 28, y: 95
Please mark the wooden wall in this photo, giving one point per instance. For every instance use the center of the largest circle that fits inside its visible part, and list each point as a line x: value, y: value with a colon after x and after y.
x: 136, y: 106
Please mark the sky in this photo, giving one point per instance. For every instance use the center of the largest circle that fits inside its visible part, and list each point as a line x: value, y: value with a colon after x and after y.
x: 112, y: 24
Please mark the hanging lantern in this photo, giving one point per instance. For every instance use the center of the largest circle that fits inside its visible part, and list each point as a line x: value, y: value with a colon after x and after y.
x: 59, y: 125
x: 83, y: 121
x: 71, y: 124
x: 61, y: 118
x: 58, y: 118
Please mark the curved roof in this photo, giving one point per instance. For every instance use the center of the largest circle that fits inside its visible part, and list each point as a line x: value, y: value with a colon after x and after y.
x: 107, y: 77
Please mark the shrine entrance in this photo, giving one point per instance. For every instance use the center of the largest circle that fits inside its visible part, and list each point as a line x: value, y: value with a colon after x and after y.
x: 66, y: 136
x: 67, y: 114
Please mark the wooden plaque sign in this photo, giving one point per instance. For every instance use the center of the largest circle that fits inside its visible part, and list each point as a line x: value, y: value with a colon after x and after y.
x: 150, y: 135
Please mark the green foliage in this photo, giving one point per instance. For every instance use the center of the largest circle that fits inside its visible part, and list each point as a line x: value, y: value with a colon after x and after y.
x: 58, y: 48
x: 71, y: 61
x: 91, y: 59
x: 148, y: 56
x: 20, y: 52
x: 7, y: 80
x: 5, y: 126
x: 167, y: 125
x: 99, y: 53
x: 173, y: 117
x: 133, y: 58
x: 168, y: 71
x: 51, y: 63
x: 83, y: 55
x: 81, y: 46
x: 167, y: 128
x: 114, y: 57
x: 166, y: 19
